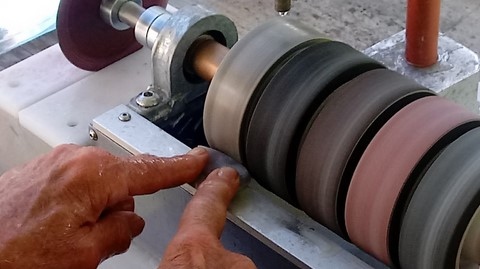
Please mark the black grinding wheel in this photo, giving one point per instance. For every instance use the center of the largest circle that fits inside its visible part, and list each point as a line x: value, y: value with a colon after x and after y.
x: 288, y: 103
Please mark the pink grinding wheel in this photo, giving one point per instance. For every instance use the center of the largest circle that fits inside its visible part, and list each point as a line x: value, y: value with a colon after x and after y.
x: 345, y: 124
x: 387, y: 163
x: 87, y: 41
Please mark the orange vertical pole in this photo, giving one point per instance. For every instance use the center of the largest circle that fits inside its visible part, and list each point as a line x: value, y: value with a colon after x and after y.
x: 423, y: 25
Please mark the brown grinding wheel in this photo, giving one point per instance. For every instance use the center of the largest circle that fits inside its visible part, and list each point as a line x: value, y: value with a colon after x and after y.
x: 288, y: 103
x: 87, y: 41
x: 433, y: 231
x: 388, y: 162
x: 342, y: 129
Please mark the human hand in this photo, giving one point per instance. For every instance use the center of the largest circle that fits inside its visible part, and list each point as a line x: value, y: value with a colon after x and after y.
x: 197, y: 244
x: 73, y: 207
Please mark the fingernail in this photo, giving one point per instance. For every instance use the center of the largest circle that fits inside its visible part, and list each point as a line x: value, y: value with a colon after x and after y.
x: 227, y: 173
x: 197, y: 151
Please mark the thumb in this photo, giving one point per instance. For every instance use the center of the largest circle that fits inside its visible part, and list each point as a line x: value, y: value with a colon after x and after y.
x: 114, y: 232
x: 207, y: 211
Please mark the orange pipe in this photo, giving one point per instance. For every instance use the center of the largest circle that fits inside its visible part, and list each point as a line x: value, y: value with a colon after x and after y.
x: 423, y: 25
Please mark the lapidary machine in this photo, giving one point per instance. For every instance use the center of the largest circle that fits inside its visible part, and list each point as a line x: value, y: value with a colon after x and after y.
x: 359, y: 159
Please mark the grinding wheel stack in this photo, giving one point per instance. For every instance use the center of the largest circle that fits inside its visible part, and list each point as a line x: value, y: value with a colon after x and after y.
x: 375, y: 157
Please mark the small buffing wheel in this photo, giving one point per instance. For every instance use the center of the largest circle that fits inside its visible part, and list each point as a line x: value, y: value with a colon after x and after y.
x: 389, y: 163
x: 87, y: 41
x: 438, y: 230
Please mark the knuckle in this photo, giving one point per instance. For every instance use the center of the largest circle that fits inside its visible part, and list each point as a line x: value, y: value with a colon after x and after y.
x: 90, y: 153
x: 87, y: 159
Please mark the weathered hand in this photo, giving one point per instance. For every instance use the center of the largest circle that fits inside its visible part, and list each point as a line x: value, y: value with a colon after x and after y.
x: 73, y: 207
x: 196, y: 244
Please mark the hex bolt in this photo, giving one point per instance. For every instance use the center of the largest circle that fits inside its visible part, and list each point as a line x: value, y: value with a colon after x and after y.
x: 125, y: 116
x: 148, y: 99
x: 93, y: 135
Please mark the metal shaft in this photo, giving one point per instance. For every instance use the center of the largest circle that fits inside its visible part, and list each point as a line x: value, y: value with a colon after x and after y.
x: 130, y: 12
x: 423, y: 23
x: 206, y: 55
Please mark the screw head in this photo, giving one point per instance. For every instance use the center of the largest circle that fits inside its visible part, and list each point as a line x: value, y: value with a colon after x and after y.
x: 125, y: 116
x: 93, y: 135
x: 148, y: 99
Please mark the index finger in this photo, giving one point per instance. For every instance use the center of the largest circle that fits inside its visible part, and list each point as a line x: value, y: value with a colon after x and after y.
x: 206, y: 213
x: 146, y: 174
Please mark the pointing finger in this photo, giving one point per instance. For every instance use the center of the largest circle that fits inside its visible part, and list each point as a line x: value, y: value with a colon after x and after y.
x: 110, y: 180
x: 148, y: 174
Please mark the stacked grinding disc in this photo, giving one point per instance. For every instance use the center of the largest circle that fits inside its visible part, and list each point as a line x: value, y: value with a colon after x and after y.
x: 373, y: 156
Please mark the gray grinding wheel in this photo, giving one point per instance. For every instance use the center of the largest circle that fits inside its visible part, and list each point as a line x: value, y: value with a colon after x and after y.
x: 339, y: 134
x: 441, y: 208
x: 238, y: 76
x: 288, y: 103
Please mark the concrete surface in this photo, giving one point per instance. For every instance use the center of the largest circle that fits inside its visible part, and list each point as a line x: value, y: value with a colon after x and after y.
x: 361, y: 23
